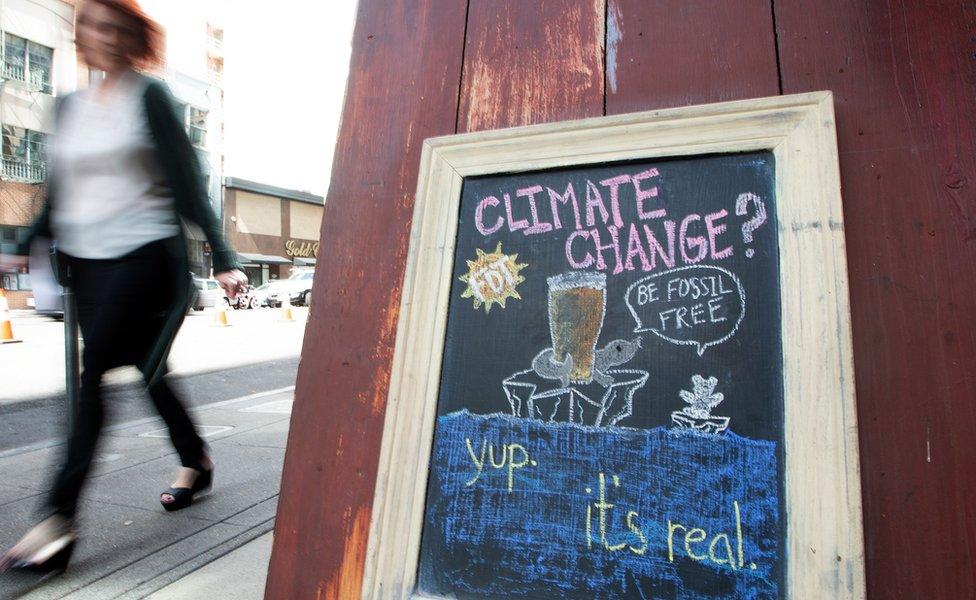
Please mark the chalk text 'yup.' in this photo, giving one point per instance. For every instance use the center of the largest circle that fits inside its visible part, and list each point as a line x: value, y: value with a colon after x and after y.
x: 507, y: 458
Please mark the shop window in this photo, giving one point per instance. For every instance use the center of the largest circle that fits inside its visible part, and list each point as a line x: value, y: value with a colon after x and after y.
x: 28, y: 61
x: 16, y: 282
x: 10, y: 237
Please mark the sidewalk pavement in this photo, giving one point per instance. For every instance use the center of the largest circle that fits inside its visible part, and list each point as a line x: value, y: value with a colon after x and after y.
x: 129, y: 546
x: 239, y: 575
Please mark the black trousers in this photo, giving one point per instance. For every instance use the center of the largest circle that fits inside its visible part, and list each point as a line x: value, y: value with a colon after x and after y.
x: 122, y: 305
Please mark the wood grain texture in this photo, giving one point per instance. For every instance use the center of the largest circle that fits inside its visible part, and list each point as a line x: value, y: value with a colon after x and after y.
x: 904, y: 81
x: 680, y: 52
x: 531, y: 62
x: 403, y: 87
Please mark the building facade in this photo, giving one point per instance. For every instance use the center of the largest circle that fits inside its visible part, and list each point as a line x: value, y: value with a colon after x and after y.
x: 199, y: 102
x: 273, y: 229
x: 194, y: 68
x: 38, y: 64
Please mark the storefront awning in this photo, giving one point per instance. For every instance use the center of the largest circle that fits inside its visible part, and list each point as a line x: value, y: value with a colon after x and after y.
x: 262, y: 259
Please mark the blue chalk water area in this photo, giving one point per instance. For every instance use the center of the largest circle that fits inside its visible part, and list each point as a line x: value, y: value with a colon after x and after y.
x: 523, y: 508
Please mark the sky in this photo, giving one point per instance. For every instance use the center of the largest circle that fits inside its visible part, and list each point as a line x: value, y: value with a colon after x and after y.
x: 285, y: 67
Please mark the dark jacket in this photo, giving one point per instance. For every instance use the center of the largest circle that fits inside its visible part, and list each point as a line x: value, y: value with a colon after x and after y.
x: 191, y: 203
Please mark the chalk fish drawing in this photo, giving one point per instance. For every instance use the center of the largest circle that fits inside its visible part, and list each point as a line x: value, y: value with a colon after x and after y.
x: 614, y: 354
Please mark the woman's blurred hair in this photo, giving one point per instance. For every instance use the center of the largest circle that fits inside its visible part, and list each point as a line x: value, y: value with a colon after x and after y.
x: 150, y: 36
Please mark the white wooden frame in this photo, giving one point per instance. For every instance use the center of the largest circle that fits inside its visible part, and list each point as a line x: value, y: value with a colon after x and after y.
x: 823, y: 498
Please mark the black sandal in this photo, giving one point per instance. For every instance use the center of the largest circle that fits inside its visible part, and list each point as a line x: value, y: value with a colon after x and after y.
x: 51, y: 558
x: 58, y: 554
x: 183, y: 497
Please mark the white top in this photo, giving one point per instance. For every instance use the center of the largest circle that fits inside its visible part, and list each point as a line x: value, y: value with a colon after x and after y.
x: 112, y: 196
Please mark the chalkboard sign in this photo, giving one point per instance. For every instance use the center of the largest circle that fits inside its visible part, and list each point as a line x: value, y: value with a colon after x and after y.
x: 605, y: 413
x: 610, y: 407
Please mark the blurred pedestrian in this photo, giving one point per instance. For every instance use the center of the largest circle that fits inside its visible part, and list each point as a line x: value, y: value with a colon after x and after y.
x: 124, y: 176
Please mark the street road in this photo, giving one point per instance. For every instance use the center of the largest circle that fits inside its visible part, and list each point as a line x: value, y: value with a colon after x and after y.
x: 239, y: 381
x: 35, y: 367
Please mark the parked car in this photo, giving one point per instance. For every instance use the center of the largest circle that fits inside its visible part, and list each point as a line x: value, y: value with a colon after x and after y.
x: 272, y: 293
x: 208, y: 293
x: 300, y: 287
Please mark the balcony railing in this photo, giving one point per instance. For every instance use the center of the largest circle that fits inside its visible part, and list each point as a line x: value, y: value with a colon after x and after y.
x: 37, y: 79
x: 12, y: 71
x: 16, y: 169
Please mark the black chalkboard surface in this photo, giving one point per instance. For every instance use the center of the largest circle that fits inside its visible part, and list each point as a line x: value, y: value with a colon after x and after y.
x: 610, y: 413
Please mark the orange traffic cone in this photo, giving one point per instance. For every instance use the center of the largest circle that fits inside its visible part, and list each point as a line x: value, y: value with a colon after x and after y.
x: 6, y: 329
x: 286, y: 315
x: 220, y: 317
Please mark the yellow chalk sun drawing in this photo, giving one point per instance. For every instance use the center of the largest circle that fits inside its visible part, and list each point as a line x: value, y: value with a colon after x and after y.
x: 492, y: 278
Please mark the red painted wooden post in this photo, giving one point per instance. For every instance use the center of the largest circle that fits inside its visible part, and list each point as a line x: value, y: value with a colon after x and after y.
x: 403, y: 87
x: 904, y: 82
x: 681, y: 52
x: 532, y: 62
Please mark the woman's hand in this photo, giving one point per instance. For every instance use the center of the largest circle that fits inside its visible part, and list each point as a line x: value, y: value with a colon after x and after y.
x: 233, y: 282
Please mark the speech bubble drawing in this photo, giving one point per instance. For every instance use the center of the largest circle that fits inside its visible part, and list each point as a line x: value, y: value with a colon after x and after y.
x: 695, y: 305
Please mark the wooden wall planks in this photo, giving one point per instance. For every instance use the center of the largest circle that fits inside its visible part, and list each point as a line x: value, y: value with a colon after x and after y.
x: 403, y: 87
x: 904, y: 79
x: 904, y: 82
x: 675, y: 53
x: 532, y: 62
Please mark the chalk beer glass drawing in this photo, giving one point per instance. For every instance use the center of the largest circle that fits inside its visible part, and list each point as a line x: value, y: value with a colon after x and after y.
x: 577, y: 305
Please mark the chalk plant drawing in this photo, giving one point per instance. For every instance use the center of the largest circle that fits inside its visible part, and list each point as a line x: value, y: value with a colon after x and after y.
x: 701, y: 400
x: 492, y: 278
x: 572, y: 380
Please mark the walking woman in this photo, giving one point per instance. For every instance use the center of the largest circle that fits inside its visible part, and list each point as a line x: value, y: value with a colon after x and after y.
x: 124, y: 176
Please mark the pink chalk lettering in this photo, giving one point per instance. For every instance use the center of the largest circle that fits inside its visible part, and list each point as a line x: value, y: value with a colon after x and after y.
x: 588, y: 260
x: 643, y: 195
x: 513, y: 225
x: 714, y: 230
x: 614, y: 245
x: 693, y: 242
x: 667, y: 256
x: 567, y: 198
x: 537, y: 226
x: 479, y: 216
x: 635, y: 247
x: 594, y: 200
x: 614, y: 184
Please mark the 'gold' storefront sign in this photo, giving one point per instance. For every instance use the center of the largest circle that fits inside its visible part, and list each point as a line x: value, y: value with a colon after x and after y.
x: 301, y: 249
